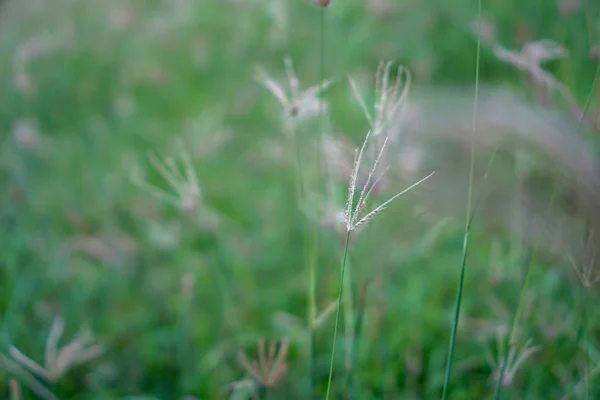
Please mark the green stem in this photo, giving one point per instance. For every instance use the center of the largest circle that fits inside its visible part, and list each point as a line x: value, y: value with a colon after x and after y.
x: 456, y: 314
x: 351, y: 382
x: 349, y: 317
x: 337, y: 314
x: 468, y: 221
x: 315, y: 238
x: 309, y: 255
x: 586, y: 353
x: 299, y: 177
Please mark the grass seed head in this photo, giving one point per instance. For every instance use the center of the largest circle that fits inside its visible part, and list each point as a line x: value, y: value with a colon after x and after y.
x: 60, y: 360
x: 271, y: 366
x: 180, y: 176
x: 297, y: 104
x: 516, y: 357
x: 322, y: 3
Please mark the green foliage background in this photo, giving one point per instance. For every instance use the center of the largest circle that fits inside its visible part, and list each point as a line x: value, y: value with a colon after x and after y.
x: 102, y: 95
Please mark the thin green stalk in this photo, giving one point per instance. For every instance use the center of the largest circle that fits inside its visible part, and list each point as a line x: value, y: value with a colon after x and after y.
x: 468, y: 217
x: 312, y: 368
x: 588, y: 100
x: 185, y: 311
x: 586, y: 352
x: 299, y: 178
x: 351, y: 379
x: 309, y: 255
x: 312, y: 304
x: 314, y: 245
x: 225, y: 293
x: 337, y: 314
x: 349, y: 317
x: 312, y: 293
x: 456, y: 314
x: 263, y: 392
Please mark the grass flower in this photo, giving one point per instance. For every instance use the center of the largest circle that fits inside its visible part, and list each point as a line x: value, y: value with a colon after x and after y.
x: 58, y: 361
x: 530, y: 59
x: 298, y: 104
x: 270, y: 368
x: 356, y: 213
x: 391, y: 97
x: 182, y: 180
x: 321, y: 3
x: 515, y: 358
x: 585, y: 270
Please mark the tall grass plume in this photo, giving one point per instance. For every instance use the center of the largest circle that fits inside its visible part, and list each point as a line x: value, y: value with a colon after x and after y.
x: 356, y: 213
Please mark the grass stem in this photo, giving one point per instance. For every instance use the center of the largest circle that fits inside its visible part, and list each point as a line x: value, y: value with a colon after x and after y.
x: 459, y: 295
x: 314, y: 245
x: 337, y: 314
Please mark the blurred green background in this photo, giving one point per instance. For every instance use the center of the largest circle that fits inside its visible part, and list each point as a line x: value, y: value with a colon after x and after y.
x: 88, y: 88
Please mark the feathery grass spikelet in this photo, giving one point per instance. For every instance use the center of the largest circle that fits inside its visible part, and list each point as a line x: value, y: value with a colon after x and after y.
x: 388, y: 103
x: 354, y: 215
x: 386, y: 117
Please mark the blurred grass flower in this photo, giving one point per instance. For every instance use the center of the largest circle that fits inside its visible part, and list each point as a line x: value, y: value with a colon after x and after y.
x: 265, y: 373
x: 185, y: 185
x: 58, y: 361
x: 386, y: 116
x: 298, y: 104
x: 322, y: 3
x: 514, y: 360
x: 530, y: 59
x: 585, y: 269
